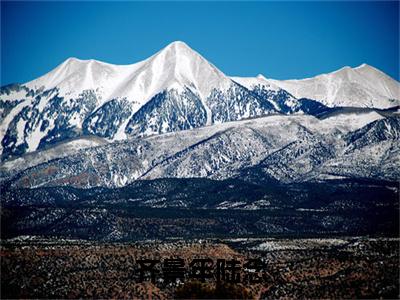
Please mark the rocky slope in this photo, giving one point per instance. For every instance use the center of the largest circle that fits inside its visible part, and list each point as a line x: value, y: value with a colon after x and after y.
x: 274, y: 148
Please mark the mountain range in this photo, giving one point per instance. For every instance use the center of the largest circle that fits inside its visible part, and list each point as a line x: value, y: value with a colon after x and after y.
x: 175, y: 115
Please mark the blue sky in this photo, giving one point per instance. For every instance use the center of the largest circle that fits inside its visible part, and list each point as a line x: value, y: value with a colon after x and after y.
x: 278, y: 39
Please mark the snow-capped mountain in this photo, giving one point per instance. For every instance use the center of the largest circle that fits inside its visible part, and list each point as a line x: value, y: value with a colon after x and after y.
x: 175, y: 67
x: 363, y: 86
x: 88, y: 143
x: 175, y: 89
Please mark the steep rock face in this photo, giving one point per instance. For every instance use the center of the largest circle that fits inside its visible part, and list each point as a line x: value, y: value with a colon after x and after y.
x: 279, y: 100
x: 235, y: 104
x: 168, y: 111
x: 272, y: 96
x: 107, y: 119
x: 43, y: 118
x: 7, y: 105
x: 387, y: 129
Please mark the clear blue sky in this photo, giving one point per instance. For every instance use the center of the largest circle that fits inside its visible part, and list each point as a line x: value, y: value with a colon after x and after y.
x: 278, y: 39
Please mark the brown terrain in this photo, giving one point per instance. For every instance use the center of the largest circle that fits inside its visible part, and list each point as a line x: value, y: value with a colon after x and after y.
x: 295, y: 268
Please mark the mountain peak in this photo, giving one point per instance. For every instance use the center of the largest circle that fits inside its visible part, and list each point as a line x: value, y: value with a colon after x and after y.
x: 71, y: 59
x: 363, y: 65
x: 178, y: 63
x: 178, y: 45
x: 262, y: 77
x: 178, y: 49
x: 362, y: 86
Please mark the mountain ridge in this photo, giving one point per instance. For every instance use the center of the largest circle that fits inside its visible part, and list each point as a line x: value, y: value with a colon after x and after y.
x: 362, y: 86
x: 174, y: 89
x: 280, y: 148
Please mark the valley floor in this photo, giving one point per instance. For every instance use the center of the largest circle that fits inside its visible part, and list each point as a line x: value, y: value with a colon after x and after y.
x: 347, y: 267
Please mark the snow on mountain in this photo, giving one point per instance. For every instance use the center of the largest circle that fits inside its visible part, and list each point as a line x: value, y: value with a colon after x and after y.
x: 363, y: 86
x: 280, y: 99
x: 372, y: 150
x: 174, y: 67
x: 59, y: 151
x: 175, y: 89
x: 252, y: 82
x: 346, y: 122
x: 122, y: 162
x: 279, y: 148
x: 176, y: 63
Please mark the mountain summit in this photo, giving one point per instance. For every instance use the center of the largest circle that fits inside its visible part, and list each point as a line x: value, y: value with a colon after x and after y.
x: 175, y: 89
x: 176, y: 65
x: 362, y: 86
